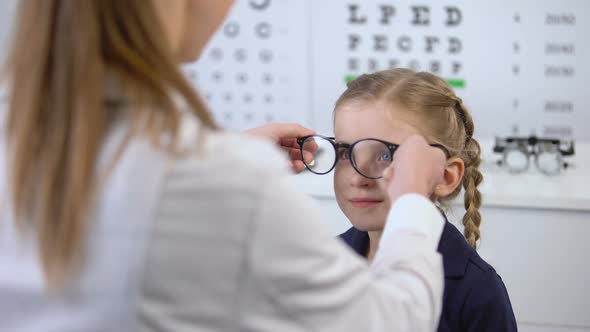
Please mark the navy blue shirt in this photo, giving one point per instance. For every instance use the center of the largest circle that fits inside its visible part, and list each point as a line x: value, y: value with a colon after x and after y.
x: 475, y: 298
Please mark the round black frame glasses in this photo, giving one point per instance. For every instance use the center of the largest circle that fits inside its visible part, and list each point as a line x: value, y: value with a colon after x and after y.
x: 348, y: 152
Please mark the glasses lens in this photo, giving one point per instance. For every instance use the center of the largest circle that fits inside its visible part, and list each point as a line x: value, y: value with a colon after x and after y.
x: 319, y: 154
x: 549, y: 160
x: 516, y: 160
x: 371, y: 158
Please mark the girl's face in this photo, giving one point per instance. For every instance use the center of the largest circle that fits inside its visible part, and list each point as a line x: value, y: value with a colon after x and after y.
x: 365, y: 201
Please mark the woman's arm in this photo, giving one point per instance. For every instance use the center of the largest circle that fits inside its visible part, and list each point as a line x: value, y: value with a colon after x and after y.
x: 284, y: 136
x: 234, y: 247
x: 303, y: 277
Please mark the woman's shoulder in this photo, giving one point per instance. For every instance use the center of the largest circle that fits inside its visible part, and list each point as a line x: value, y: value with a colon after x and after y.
x: 223, y: 155
x: 207, y: 161
x: 252, y: 150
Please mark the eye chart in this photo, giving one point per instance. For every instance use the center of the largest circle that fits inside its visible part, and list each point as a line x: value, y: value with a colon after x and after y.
x: 518, y: 65
x: 257, y: 69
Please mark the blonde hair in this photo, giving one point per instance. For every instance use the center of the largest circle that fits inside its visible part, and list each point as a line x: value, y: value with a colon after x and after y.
x: 62, y: 54
x: 443, y: 119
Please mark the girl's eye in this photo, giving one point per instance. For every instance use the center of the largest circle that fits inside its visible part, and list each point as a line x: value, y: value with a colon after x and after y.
x: 386, y: 156
x: 344, y: 154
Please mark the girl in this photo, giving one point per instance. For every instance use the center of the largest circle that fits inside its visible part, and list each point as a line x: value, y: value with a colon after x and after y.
x: 392, y: 105
x: 376, y: 112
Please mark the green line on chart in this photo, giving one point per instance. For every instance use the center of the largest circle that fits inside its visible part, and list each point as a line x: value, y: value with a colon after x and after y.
x: 456, y: 83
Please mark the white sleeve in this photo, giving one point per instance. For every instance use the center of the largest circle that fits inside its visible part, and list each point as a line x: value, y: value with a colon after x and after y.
x: 305, y: 279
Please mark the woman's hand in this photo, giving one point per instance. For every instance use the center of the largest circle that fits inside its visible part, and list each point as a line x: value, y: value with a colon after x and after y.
x: 285, y: 135
x: 417, y: 168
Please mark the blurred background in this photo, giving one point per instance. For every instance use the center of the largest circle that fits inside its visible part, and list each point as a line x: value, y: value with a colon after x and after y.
x: 521, y: 66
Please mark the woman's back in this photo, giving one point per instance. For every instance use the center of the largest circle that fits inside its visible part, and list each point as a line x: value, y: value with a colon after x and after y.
x: 151, y: 208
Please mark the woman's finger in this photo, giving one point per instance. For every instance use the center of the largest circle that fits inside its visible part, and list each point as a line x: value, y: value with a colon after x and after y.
x: 295, y: 154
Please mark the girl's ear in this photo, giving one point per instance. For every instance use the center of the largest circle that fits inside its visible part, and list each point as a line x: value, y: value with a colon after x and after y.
x: 452, y: 178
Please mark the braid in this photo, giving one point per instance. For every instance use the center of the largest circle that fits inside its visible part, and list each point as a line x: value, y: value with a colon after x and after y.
x: 464, y: 117
x: 472, y: 178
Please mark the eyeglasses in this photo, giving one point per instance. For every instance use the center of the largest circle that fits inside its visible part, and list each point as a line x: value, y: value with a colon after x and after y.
x: 369, y: 157
x: 548, y: 153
